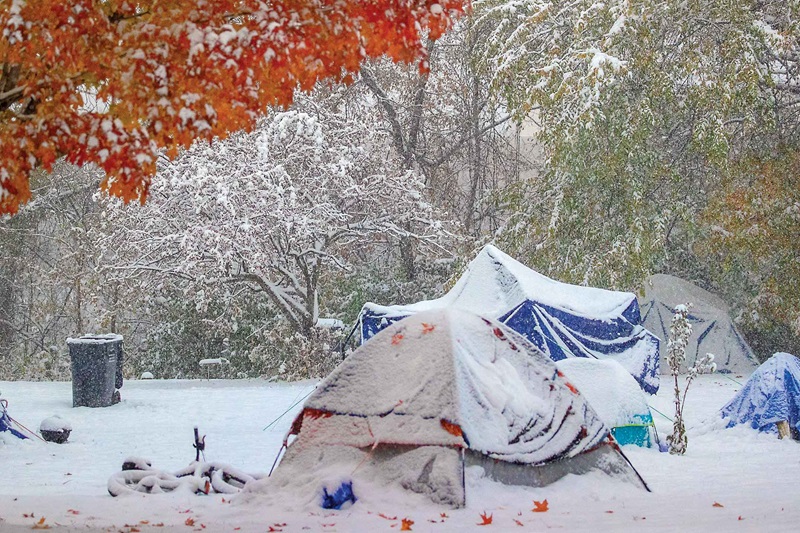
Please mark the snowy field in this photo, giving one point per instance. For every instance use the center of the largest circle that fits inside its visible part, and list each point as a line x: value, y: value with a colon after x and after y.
x: 730, y: 480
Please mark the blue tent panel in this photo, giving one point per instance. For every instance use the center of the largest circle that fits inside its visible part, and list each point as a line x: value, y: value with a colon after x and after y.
x: 771, y: 395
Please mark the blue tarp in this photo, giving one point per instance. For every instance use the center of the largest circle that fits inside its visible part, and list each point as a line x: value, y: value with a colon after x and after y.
x: 560, y: 319
x: 772, y: 394
x: 6, y: 425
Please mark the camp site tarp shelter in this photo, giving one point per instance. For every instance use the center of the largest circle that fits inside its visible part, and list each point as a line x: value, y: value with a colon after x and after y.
x: 562, y: 320
x: 771, y: 395
x: 713, y: 330
x: 437, y: 392
x: 615, y: 396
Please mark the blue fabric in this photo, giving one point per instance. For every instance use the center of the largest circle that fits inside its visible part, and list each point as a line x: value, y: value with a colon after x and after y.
x: 772, y: 394
x: 6, y: 424
x: 339, y: 497
x: 560, y: 334
x: 637, y: 433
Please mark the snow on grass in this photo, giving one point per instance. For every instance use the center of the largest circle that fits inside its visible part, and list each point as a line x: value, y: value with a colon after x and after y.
x: 753, y: 476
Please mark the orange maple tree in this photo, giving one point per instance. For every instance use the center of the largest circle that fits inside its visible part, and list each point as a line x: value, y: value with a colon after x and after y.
x: 114, y: 82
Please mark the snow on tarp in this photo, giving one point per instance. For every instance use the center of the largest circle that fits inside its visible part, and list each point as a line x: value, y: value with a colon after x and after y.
x: 771, y: 395
x: 401, y: 407
x: 6, y: 424
x: 614, y: 395
x: 560, y: 319
x: 713, y: 330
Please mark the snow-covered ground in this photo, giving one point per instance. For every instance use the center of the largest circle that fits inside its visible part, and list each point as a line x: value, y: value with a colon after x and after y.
x: 730, y: 480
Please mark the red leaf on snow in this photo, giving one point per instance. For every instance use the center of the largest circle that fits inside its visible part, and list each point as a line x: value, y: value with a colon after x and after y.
x: 740, y: 518
x: 427, y: 328
x: 443, y: 515
x: 717, y: 504
x: 485, y: 519
x: 186, y: 511
x: 396, y: 338
x: 73, y: 511
x: 273, y: 529
x: 518, y: 522
x: 189, y: 521
x: 406, y: 525
x: 387, y: 517
x: 609, y: 512
x: 540, y: 507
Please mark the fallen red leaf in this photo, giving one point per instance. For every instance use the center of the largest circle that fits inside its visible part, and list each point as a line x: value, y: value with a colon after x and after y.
x: 740, y: 518
x: 144, y: 522
x: 73, y: 511
x: 443, y: 515
x: 717, y: 504
x: 134, y: 530
x: 427, y: 328
x: 396, y: 338
x: 186, y: 511
x: 28, y: 515
x: 387, y: 517
x: 273, y: 529
x: 485, y: 519
x: 189, y: 521
x: 518, y: 522
x: 160, y: 524
x: 609, y: 512
x: 540, y: 507
x: 406, y: 524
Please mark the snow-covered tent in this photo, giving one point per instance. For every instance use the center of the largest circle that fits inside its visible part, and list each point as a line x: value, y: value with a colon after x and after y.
x: 615, y: 396
x: 713, y: 330
x: 771, y: 395
x: 562, y: 320
x: 437, y: 392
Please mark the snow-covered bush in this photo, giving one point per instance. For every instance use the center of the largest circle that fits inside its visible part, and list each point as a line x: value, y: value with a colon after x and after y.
x: 679, y: 332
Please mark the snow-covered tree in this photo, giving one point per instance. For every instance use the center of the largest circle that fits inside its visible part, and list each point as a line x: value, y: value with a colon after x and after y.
x: 641, y: 106
x: 272, y: 212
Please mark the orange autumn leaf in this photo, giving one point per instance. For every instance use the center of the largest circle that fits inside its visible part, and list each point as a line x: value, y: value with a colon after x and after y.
x: 406, y: 524
x: 40, y: 524
x: 396, y: 338
x: 443, y: 515
x: 175, y: 72
x: 427, y: 328
x: 189, y: 521
x: 717, y: 504
x: 540, y: 507
x: 485, y: 519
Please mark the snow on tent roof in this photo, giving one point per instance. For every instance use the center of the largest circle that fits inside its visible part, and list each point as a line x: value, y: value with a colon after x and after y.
x: 448, y: 380
x: 713, y: 330
x: 614, y: 395
x: 771, y: 395
x: 560, y: 319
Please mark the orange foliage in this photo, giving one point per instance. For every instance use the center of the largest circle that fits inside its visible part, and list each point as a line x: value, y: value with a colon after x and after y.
x: 405, y: 524
x: 540, y: 507
x: 165, y: 73
x: 485, y: 519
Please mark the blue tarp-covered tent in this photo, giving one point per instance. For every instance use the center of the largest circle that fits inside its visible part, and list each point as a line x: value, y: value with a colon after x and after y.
x: 560, y: 319
x: 771, y: 395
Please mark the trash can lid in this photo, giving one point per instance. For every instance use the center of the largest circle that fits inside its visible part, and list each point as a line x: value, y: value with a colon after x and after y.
x: 95, y: 339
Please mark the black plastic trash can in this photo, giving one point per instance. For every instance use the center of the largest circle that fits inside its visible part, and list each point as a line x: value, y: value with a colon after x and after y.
x: 96, y: 362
